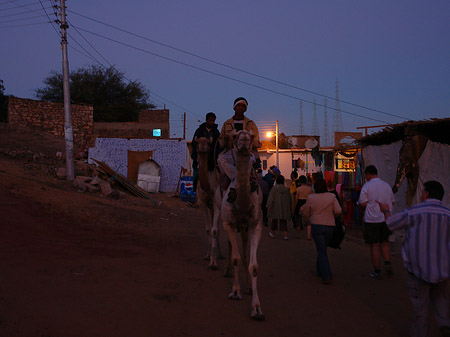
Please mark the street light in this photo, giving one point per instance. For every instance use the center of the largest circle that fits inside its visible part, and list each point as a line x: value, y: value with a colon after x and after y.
x: 270, y: 134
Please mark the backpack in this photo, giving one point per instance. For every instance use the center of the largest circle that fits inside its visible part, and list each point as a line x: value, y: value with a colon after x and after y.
x: 338, y: 235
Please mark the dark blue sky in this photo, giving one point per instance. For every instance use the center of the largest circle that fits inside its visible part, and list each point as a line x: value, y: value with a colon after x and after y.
x: 390, y: 56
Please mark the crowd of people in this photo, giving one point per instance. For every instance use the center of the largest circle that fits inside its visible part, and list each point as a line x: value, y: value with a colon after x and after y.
x: 312, y: 203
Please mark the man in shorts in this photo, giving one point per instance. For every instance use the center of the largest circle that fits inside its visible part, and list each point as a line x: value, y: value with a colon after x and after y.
x: 376, y: 232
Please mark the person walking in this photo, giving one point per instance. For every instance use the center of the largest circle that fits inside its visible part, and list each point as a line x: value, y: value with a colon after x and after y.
x: 301, y: 195
x: 270, y: 177
x: 279, y: 207
x: 426, y: 257
x: 375, y: 231
x: 293, y: 190
x: 320, y: 209
x: 265, y: 192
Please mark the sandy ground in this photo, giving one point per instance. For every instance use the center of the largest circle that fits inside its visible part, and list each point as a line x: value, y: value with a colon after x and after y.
x: 80, y: 264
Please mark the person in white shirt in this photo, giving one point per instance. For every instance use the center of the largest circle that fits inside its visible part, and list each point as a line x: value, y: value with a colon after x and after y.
x: 376, y: 232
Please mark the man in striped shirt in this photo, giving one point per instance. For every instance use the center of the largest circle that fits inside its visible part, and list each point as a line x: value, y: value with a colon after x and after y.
x: 426, y: 256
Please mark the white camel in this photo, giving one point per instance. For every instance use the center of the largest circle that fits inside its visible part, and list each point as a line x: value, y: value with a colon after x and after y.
x: 207, y: 184
x: 243, y: 216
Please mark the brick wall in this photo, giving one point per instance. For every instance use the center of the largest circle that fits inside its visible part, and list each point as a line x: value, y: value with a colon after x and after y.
x: 49, y: 118
x: 154, y: 116
x: 136, y: 130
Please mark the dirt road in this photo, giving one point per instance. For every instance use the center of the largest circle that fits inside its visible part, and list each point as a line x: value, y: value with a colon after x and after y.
x: 79, y: 264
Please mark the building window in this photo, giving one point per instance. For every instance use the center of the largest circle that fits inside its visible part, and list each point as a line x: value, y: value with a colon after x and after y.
x: 156, y: 132
x: 264, y: 164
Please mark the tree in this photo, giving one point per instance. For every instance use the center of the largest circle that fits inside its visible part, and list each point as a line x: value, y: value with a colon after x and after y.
x: 283, y: 141
x: 3, y: 104
x: 113, y: 98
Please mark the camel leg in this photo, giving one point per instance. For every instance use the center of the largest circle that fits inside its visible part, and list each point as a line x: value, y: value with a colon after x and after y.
x: 227, y: 272
x: 208, y: 232
x: 255, y: 236
x: 213, y: 235
x: 245, y: 261
x: 235, y: 257
x: 219, y: 254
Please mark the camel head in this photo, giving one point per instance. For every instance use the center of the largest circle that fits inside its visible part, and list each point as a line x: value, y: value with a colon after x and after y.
x: 243, y: 141
x: 203, y: 144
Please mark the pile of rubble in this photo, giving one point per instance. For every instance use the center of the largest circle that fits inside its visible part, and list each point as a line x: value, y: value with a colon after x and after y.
x: 96, y: 184
x: 90, y: 178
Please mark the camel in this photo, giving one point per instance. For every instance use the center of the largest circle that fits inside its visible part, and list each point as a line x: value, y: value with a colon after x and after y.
x: 206, y: 187
x: 408, y: 165
x: 243, y: 216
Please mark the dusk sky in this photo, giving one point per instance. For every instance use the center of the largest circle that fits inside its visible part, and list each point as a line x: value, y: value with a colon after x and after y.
x: 390, y: 58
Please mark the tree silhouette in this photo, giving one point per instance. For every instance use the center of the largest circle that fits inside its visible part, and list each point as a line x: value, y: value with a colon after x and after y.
x: 114, y: 98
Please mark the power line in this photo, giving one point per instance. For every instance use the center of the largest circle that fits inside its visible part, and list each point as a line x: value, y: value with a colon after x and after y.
x: 23, y: 19
x: 6, y: 2
x: 180, y: 107
x: 236, y: 69
x: 45, y: 10
x: 19, y: 6
x: 101, y: 55
x: 89, y: 55
x: 25, y: 12
x: 89, y: 45
x: 85, y: 55
x: 221, y: 75
x: 25, y: 24
x: 86, y: 51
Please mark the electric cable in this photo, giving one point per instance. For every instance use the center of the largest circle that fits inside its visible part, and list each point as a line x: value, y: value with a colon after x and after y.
x: 25, y: 12
x: 226, y: 77
x: 19, y: 6
x: 237, y: 69
x: 25, y: 24
x: 23, y: 19
x: 80, y: 52
x: 89, y: 45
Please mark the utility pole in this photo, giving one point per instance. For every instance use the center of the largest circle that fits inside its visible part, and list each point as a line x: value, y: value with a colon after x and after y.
x: 184, y: 125
x: 276, y: 141
x: 68, y: 131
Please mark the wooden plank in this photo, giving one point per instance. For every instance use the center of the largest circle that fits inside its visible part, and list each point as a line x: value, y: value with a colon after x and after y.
x: 128, y: 184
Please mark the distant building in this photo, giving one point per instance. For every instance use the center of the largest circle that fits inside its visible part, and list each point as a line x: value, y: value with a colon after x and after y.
x: 151, y: 124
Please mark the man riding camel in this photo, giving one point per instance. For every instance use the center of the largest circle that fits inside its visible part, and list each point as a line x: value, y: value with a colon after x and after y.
x: 226, y: 159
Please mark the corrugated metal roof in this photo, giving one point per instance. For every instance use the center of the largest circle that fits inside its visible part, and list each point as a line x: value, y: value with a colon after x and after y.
x: 436, y: 129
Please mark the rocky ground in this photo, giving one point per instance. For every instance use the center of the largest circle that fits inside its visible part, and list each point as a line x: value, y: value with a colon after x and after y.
x: 80, y: 263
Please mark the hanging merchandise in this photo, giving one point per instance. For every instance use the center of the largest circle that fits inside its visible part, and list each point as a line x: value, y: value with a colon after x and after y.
x: 317, y: 156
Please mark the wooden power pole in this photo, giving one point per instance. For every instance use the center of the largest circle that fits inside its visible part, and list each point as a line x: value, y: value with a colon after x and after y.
x: 68, y: 131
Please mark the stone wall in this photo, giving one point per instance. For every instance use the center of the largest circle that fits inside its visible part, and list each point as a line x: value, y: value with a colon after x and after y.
x: 49, y: 118
x: 154, y: 116
x: 136, y: 130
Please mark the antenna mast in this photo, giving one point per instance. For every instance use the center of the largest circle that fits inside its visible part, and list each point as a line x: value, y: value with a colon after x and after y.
x: 326, y: 134
x: 337, y: 114
x: 301, y: 118
x: 315, y: 128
